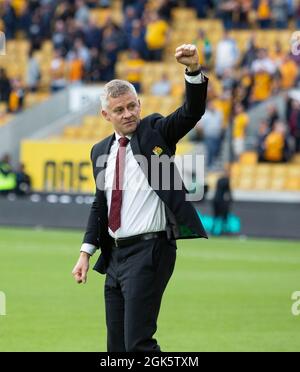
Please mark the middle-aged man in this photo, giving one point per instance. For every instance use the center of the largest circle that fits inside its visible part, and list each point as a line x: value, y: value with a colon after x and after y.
x: 134, y: 221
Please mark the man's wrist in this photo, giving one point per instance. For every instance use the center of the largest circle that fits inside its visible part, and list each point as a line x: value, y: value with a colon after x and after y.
x: 88, y: 248
x: 84, y: 254
x: 193, y: 68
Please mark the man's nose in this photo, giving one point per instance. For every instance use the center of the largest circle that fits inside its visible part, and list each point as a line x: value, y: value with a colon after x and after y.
x: 127, y: 113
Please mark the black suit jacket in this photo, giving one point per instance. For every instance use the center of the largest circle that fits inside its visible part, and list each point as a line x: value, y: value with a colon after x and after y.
x: 163, y: 132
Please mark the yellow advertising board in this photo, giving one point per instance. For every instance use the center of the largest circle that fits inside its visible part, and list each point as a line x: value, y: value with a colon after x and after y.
x: 59, y: 166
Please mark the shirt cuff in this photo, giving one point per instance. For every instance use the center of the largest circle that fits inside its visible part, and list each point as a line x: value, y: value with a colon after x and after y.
x: 88, y: 248
x: 198, y: 79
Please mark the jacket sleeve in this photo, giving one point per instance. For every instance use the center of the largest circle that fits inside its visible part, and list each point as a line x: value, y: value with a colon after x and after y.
x: 176, y: 125
x: 91, y: 235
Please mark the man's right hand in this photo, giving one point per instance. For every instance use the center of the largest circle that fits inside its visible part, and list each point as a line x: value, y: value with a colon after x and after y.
x: 81, y: 268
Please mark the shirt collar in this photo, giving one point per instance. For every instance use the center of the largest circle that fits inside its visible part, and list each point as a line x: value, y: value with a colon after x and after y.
x: 129, y: 136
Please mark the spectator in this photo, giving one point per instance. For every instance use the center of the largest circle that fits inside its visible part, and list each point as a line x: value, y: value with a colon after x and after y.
x: 80, y: 52
x: 9, y: 18
x: 263, y: 69
x: 165, y: 8
x: 277, y: 55
x: 244, y: 89
x: 264, y: 14
x: 76, y: 68
x: 33, y: 73
x: 162, y: 87
x: 250, y: 54
x: 137, y: 39
x: 227, y: 54
x: 294, y: 123
x: 63, y: 11
x: 60, y: 39
x: 156, y: 36
x: 222, y: 201
x: 276, y: 146
x: 110, y: 46
x: 289, y: 72
x: 211, y: 127
x: 5, y: 86
x: 280, y: 13
x: 202, y: 7
x: 240, y: 124
x: 205, y: 49
x: 7, y: 176
x: 263, y: 131
x: 129, y: 18
x: 82, y: 12
x: 92, y: 34
x: 133, y: 69
x: 23, y: 181
x: 16, y: 97
x: 226, y: 9
x: 273, y: 116
x: 228, y: 80
x: 97, y: 65
x: 57, y: 72
x: 243, y: 12
x: 297, y: 12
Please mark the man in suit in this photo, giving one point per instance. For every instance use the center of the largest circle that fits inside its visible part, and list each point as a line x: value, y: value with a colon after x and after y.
x: 134, y: 220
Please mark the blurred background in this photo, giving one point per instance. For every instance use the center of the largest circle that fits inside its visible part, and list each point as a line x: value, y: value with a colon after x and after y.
x: 54, y: 61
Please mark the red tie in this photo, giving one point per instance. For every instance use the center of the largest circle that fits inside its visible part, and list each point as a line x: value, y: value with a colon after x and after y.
x: 114, y: 219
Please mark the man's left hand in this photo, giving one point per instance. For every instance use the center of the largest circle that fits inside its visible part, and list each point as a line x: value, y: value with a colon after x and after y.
x: 187, y: 54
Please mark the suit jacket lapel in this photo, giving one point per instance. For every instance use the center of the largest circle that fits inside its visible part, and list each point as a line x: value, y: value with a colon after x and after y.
x: 101, y: 164
x: 136, y: 150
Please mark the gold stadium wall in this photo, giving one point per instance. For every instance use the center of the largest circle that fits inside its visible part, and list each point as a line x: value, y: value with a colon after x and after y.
x: 59, y: 166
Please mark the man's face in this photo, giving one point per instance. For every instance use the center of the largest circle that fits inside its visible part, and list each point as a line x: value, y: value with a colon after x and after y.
x: 124, y: 113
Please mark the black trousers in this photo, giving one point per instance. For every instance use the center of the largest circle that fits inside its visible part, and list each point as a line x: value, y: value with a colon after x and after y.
x: 135, y: 282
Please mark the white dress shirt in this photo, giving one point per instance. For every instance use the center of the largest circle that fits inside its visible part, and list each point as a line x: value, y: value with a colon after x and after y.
x: 142, y: 210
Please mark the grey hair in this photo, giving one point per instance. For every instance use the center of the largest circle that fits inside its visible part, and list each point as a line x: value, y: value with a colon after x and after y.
x: 115, y: 88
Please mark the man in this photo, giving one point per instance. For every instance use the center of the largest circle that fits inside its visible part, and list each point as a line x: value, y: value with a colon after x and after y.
x: 136, y: 227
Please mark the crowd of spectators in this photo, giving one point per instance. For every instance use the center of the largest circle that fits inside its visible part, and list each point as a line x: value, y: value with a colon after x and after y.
x: 89, y: 53
x: 279, y: 135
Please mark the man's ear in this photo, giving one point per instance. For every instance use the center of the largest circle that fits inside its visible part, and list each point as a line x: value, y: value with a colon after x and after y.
x: 105, y: 115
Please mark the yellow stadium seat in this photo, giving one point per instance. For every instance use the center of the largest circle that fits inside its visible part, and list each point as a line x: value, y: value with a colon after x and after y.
x: 262, y: 183
x: 183, y: 14
x: 279, y: 170
x: 294, y: 171
x: 245, y: 183
x: 235, y: 170
x: 247, y: 170
x: 264, y: 170
x: 293, y: 184
x: 90, y: 120
x: 248, y: 158
x: 278, y: 183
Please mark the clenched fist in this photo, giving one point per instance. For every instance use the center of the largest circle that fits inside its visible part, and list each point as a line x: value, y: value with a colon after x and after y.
x: 81, y: 268
x: 187, y: 54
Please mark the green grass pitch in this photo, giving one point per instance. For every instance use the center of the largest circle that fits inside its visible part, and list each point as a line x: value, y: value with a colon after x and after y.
x: 225, y: 295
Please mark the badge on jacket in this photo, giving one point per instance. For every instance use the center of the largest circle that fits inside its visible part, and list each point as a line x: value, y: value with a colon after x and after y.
x: 157, y: 150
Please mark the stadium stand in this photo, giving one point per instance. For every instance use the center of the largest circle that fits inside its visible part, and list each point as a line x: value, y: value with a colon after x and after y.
x: 246, y: 50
